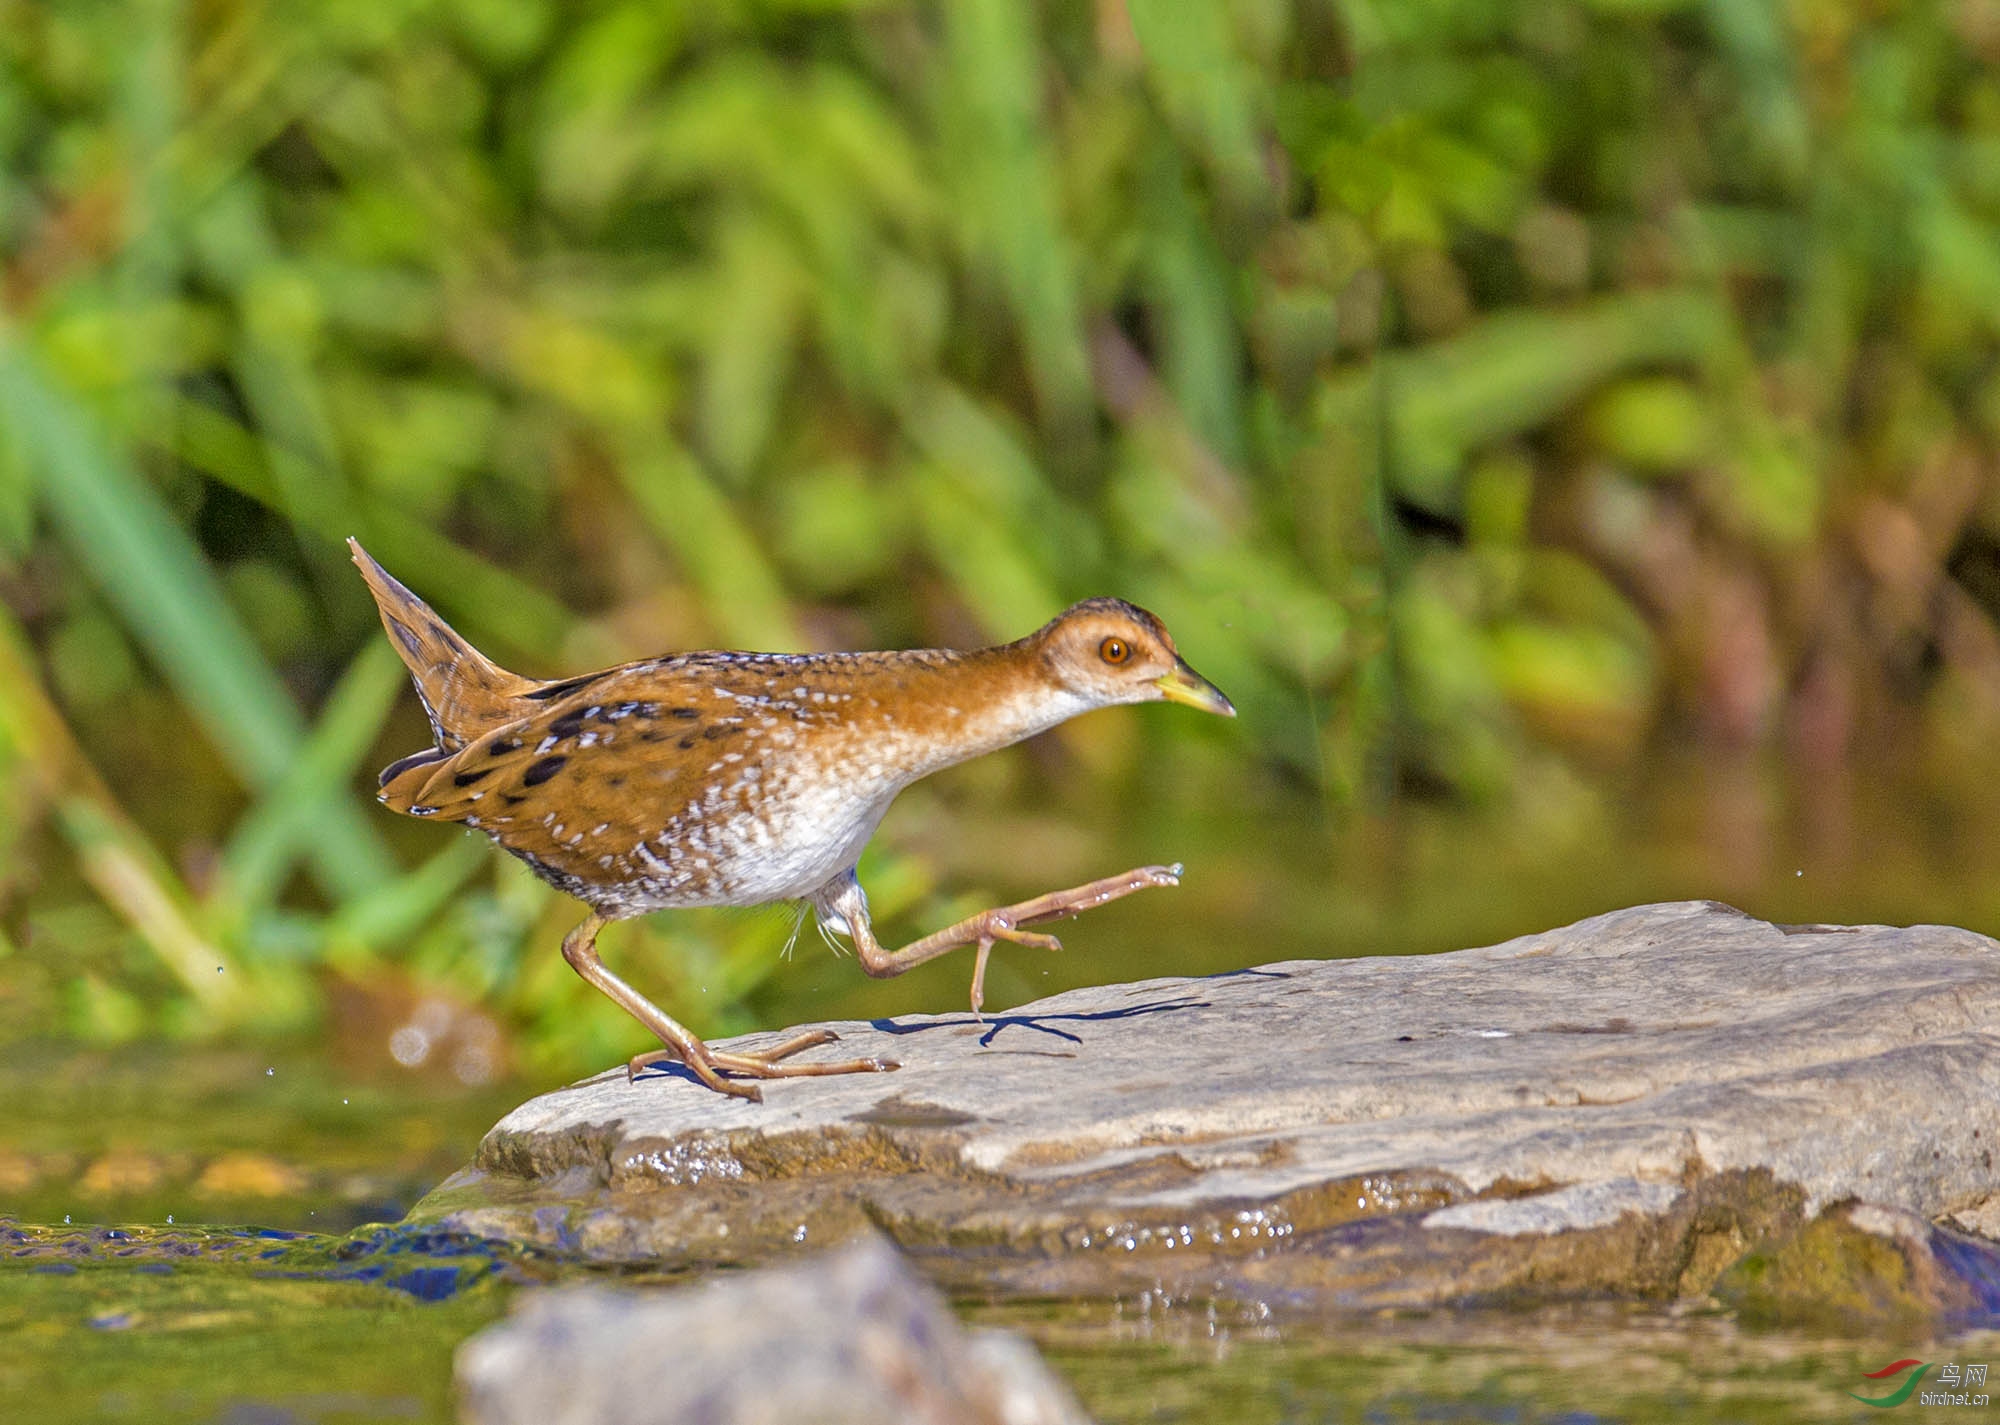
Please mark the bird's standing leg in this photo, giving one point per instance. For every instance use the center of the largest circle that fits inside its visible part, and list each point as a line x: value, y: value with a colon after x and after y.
x: 844, y: 905
x: 708, y: 1065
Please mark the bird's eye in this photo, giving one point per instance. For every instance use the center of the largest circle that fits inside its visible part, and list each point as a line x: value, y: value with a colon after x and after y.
x: 1114, y: 650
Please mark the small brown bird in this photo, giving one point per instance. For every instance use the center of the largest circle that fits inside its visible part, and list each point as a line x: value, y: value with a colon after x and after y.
x: 742, y: 778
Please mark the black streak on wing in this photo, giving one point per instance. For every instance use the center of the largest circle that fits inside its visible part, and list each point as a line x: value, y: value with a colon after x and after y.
x: 541, y: 771
x: 548, y: 692
x: 403, y: 764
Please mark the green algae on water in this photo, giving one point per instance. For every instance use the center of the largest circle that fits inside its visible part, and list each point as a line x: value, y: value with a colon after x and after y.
x: 140, y: 1324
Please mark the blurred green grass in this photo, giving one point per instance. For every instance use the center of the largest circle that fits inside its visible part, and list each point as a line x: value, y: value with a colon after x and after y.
x: 1490, y: 396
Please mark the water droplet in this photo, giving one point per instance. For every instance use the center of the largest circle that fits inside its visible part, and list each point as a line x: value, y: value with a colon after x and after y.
x: 218, y: 969
x: 65, y: 1219
x: 268, y: 1073
x: 170, y: 1219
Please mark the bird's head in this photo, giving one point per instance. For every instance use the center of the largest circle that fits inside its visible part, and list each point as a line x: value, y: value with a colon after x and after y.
x: 1109, y: 651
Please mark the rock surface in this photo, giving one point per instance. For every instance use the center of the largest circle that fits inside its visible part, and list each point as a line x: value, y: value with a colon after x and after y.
x: 849, y: 1338
x: 1661, y: 1102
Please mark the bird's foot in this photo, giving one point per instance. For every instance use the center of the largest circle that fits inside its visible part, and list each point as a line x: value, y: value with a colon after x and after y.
x: 1001, y: 929
x: 711, y: 1065
x: 1005, y: 923
x: 757, y: 1066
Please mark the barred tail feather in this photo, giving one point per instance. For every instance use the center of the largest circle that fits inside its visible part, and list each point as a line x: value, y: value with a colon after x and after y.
x: 463, y: 693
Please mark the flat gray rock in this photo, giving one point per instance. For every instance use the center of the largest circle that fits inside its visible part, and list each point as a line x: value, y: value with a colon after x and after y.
x: 848, y: 1338
x: 1637, y: 1103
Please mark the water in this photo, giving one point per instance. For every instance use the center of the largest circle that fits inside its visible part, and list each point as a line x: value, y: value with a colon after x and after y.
x: 233, y: 1325
x: 313, y: 1315
x: 307, y: 1316
x: 144, y: 1133
x: 1573, y: 1366
x: 248, y: 1327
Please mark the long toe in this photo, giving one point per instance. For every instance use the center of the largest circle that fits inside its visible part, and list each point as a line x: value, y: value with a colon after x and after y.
x: 736, y: 1089
x: 761, y: 1068
x: 811, y: 1039
x: 639, y: 1063
x: 1033, y: 939
x: 707, y: 1067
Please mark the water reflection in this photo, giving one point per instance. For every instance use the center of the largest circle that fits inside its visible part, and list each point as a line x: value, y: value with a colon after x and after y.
x: 1161, y: 1359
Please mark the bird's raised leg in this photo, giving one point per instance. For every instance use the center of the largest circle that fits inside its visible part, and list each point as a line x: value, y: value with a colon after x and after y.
x: 708, y: 1065
x: 844, y: 906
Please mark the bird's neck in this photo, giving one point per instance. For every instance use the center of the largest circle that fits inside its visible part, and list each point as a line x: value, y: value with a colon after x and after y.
x: 977, y: 703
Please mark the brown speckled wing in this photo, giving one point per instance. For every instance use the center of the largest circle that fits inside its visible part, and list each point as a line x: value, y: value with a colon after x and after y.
x: 596, y: 748
x: 704, y: 774
x: 624, y: 758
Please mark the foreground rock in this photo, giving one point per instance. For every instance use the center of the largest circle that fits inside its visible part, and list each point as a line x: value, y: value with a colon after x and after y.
x: 854, y: 1338
x: 1673, y: 1101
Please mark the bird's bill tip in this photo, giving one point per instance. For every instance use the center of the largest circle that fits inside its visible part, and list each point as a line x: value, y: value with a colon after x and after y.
x: 1184, y: 685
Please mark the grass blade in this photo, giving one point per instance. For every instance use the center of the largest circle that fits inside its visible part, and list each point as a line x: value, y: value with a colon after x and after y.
x: 990, y: 94
x: 153, y: 574
x: 113, y: 854
x: 1510, y: 374
x: 490, y: 604
x: 739, y: 589
x: 392, y: 913
x: 271, y: 835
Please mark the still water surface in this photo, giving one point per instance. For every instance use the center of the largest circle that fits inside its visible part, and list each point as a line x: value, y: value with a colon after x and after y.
x: 250, y: 1327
